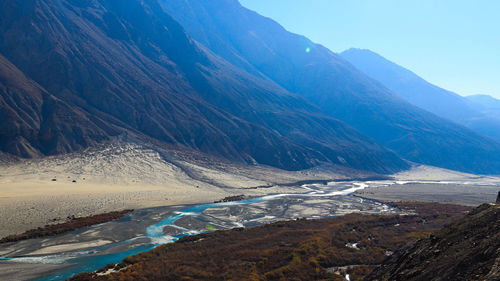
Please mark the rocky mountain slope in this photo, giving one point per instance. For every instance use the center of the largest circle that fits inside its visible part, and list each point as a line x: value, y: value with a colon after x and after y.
x: 466, y: 250
x: 102, y: 68
x: 423, y: 94
x: 265, y: 49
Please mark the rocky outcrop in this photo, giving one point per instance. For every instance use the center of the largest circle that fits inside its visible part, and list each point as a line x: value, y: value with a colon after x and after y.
x: 466, y: 250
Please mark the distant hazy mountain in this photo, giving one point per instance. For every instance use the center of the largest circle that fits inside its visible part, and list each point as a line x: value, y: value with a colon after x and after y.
x: 484, y: 102
x: 265, y: 49
x: 423, y: 94
x: 76, y: 72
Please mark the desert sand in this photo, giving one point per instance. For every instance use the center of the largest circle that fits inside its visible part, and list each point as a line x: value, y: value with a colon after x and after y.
x: 121, y: 176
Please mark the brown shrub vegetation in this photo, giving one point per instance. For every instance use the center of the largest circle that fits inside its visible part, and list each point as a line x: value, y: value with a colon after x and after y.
x: 72, y: 223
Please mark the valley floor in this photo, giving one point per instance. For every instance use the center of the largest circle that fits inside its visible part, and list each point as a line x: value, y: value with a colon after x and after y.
x: 325, y: 249
x: 122, y: 176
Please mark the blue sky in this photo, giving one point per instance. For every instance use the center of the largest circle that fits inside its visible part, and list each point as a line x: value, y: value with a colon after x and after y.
x: 454, y: 44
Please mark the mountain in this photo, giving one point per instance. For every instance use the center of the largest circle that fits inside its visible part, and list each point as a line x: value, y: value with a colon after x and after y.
x: 423, y: 94
x: 465, y: 250
x: 484, y: 102
x: 488, y: 105
x: 76, y: 72
x: 265, y: 49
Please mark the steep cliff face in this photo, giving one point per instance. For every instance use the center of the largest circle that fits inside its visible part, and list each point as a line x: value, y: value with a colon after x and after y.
x: 264, y: 48
x: 466, y: 250
x: 118, y: 66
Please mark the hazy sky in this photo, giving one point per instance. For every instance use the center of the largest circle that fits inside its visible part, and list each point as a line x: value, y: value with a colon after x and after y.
x: 454, y: 44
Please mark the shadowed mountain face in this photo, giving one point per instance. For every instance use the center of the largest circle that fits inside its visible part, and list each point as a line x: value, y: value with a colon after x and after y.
x: 103, y: 67
x: 421, y: 93
x: 35, y: 122
x: 263, y: 48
